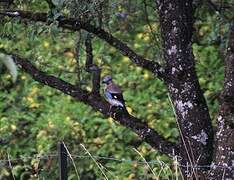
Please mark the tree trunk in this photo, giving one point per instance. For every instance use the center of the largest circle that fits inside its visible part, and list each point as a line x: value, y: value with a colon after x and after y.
x: 223, y: 162
x: 192, y: 113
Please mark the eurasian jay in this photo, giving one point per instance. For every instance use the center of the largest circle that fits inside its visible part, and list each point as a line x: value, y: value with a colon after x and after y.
x: 113, y: 93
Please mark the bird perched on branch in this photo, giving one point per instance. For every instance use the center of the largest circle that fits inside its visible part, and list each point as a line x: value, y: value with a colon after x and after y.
x: 113, y: 93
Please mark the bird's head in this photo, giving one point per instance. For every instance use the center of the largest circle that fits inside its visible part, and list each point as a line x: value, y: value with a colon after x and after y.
x: 106, y: 79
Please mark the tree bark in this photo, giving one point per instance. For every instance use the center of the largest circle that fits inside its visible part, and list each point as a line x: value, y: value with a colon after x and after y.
x: 223, y: 162
x: 194, y: 123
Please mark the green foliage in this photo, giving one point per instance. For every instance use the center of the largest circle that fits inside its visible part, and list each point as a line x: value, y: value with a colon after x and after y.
x: 34, y: 118
x: 211, y: 74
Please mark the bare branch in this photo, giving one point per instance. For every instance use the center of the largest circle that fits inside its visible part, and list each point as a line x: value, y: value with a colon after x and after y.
x: 217, y: 9
x: 89, y: 53
x: 78, y: 68
x: 6, y: 3
x: 98, y: 103
x: 91, y: 67
x: 51, y: 4
x: 76, y: 24
x: 149, y: 24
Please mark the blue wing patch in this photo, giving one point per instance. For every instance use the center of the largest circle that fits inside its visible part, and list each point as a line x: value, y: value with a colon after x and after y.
x: 108, y: 95
x: 114, y: 99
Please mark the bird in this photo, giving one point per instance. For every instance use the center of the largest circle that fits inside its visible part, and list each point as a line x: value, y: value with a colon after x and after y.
x: 113, y: 93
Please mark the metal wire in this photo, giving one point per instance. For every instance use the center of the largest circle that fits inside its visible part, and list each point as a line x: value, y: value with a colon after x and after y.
x: 5, y: 162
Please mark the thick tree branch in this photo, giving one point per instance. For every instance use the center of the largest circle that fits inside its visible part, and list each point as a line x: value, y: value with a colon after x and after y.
x: 98, y: 103
x: 76, y: 24
x: 224, y: 139
x: 49, y: 80
x: 228, y: 92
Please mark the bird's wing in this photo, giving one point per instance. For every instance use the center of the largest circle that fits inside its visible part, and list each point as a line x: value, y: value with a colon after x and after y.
x: 118, y: 97
x: 114, y: 97
x: 113, y: 88
x: 108, y: 95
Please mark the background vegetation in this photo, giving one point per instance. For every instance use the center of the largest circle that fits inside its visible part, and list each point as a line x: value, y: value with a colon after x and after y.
x: 34, y: 118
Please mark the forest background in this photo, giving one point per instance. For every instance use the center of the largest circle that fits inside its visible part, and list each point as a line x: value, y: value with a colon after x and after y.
x: 34, y: 117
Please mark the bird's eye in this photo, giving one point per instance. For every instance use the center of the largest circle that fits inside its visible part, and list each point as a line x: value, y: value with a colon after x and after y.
x: 115, y: 96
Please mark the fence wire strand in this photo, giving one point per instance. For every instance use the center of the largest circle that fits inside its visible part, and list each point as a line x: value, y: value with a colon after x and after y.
x: 5, y: 162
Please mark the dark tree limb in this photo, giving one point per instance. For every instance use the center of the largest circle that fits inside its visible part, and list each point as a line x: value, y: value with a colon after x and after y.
x: 91, y: 67
x: 6, y: 3
x: 89, y: 54
x: 222, y: 166
x: 76, y: 24
x: 148, y: 22
x: 49, y: 80
x: 98, y: 103
x: 217, y: 9
x: 50, y: 4
x: 78, y: 68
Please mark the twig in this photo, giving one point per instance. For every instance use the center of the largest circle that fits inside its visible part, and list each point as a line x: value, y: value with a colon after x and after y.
x: 78, y: 45
x: 148, y: 23
x: 51, y: 4
x: 89, y: 53
x: 145, y: 162
x: 94, y: 160
x: 177, y: 166
x: 218, y: 10
x: 181, y: 134
x: 10, y: 166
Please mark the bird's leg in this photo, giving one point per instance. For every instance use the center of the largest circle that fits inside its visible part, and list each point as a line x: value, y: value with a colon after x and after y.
x: 111, y: 106
x: 110, y: 109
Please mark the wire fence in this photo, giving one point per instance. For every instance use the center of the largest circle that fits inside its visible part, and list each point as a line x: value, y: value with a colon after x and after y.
x: 66, y: 160
x: 4, y: 162
x: 49, y: 156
